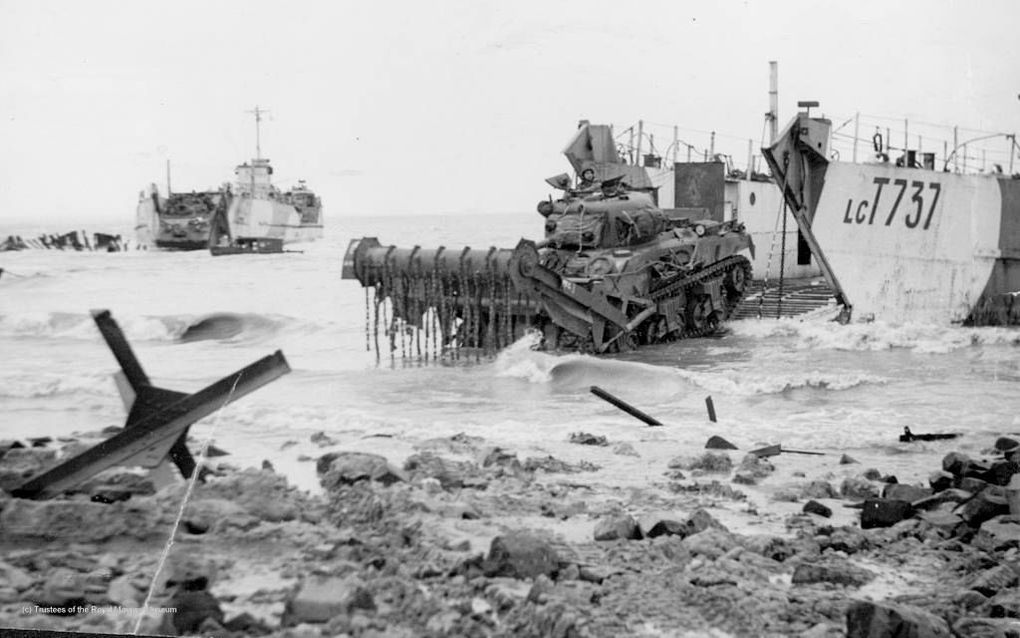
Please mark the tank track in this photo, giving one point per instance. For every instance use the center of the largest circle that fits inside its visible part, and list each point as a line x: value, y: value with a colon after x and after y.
x: 672, y: 286
x: 721, y: 268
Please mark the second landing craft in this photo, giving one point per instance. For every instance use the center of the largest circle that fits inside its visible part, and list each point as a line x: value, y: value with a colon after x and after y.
x: 250, y: 211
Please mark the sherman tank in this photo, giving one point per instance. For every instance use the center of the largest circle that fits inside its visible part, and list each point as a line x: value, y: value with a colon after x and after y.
x: 612, y: 272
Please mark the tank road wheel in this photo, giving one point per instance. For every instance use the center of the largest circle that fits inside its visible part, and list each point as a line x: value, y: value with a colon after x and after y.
x: 700, y: 318
x: 713, y: 322
x: 629, y: 342
x: 625, y: 343
x: 657, y: 331
x: 736, y: 281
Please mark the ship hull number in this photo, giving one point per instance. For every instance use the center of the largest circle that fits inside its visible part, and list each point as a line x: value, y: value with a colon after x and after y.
x: 913, y: 201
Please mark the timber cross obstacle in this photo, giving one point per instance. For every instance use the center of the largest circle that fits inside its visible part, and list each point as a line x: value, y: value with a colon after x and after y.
x: 158, y: 419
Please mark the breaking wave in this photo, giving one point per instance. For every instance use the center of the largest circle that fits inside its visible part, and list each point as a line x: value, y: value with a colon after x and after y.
x: 743, y: 383
x: 170, y: 328
x: 877, y: 336
x: 574, y: 371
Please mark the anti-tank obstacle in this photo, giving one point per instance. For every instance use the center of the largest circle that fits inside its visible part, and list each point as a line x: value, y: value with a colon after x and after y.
x: 158, y: 419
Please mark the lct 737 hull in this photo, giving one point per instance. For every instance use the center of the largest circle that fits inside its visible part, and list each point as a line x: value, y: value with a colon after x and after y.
x: 920, y: 245
x: 904, y: 244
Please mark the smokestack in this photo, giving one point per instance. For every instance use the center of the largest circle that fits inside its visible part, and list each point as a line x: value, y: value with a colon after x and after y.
x: 773, y: 101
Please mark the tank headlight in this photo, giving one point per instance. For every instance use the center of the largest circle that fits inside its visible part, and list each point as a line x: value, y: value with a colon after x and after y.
x: 699, y: 230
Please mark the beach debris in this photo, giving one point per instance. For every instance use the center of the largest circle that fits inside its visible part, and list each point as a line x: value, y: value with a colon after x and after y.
x: 767, y: 451
x: 867, y: 619
x: 67, y: 521
x: 775, y: 450
x: 521, y: 555
x: 450, y: 474
x: 21, y: 463
x: 711, y: 408
x: 884, y: 512
x: 347, y: 468
x: 320, y: 598
x: 404, y: 560
x: 835, y: 571
x: 718, y: 443
x: 73, y: 240
x: 623, y: 405
x: 663, y: 525
x: 625, y: 449
x: 552, y: 465
x: 940, y: 480
x: 711, y: 542
x: 323, y: 440
x: 583, y: 438
x: 814, y: 507
x: 909, y: 437
x: 9, y: 444
x: 618, y: 526
x: 192, y: 610
x: 904, y: 492
x: 212, y: 451
x: 846, y: 459
x: 994, y: 579
x: 858, y: 488
x: 158, y: 419
x: 1006, y: 444
x: 499, y: 457
x: 756, y: 466
x: 986, y: 505
x: 819, y: 489
x: 804, y: 452
x: 999, y: 534
x: 742, y: 477
x: 707, y: 462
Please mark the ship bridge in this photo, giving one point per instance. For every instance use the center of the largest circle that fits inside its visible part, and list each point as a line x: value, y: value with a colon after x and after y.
x: 255, y: 179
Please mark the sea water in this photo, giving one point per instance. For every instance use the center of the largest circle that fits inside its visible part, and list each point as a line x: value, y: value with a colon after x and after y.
x: 806, y: 384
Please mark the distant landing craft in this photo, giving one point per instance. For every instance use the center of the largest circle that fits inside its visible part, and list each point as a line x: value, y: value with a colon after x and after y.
x: 242, y: 213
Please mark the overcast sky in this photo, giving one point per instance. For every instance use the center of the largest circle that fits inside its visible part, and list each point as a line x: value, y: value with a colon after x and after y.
x: 403, y: 107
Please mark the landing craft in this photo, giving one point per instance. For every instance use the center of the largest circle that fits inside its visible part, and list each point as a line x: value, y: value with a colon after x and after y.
x: 250, y: 212
x: 904, y: 241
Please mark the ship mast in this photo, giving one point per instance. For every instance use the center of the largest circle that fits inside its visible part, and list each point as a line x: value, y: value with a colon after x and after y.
x: 258, y: 130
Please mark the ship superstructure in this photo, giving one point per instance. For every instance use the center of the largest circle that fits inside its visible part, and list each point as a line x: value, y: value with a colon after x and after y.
x: 260, y: 211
